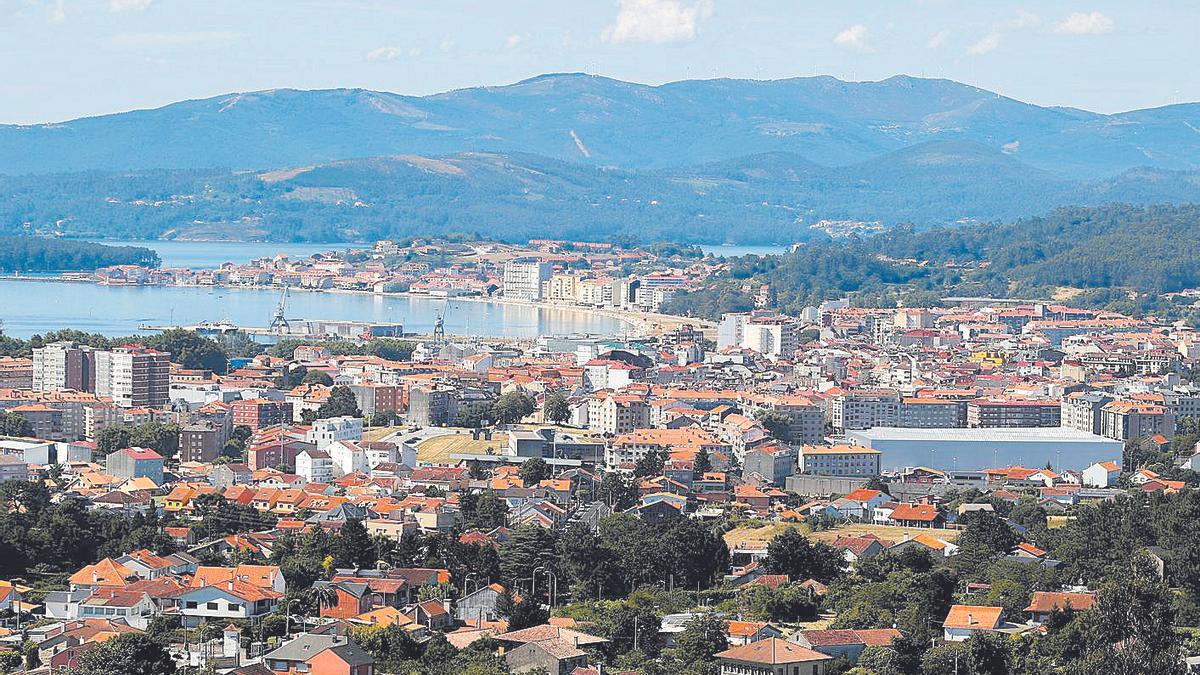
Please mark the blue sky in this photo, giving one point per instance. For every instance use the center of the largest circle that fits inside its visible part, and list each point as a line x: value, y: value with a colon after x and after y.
x: 61, y: 59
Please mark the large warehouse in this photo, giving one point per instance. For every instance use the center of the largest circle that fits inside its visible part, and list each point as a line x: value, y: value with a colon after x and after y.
x: 973, y: 449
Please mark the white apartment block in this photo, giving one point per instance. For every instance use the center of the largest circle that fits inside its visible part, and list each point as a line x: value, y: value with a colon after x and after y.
x: 326, y: 432
x: 523, y: 279
x: 134, y: 377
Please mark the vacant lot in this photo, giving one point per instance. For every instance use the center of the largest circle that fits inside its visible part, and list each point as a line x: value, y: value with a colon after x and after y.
x: 748, y: 536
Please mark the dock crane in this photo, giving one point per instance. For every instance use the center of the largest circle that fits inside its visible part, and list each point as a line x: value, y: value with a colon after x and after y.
x: 279, y: 322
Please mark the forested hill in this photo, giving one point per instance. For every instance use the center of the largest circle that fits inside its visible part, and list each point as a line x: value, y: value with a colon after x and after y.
x: 42, y: 254
x: 599, y: 121
x: 1120, y: 257
x: 771, y: 198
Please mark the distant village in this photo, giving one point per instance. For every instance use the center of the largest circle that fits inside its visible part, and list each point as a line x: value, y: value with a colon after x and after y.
x: 702, y: 498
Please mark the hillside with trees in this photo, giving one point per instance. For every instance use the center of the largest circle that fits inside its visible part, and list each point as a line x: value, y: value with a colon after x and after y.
x: 1124, y: 258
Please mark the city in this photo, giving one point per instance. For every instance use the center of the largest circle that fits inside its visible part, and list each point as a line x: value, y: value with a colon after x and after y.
x: 610, y: 337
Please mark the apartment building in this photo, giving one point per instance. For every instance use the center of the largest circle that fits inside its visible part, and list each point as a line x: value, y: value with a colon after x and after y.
x: 1013, y: 413
x: 864, y: 409
x: 64, y: 365
x: 1124, y: 420
x: 772, y: 335
x: 523, y: 279
x: 133, y: 376
x: 839, y: 460
x: 932, y: 413
x: 610, y: 413
x: 258, y: 413
x: 326, y: 432
x: 1082, y: 410
x: 201, y: 442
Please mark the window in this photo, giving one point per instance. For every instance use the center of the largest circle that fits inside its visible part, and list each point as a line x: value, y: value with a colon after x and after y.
x: 212, y: 606
x: 191, y: 604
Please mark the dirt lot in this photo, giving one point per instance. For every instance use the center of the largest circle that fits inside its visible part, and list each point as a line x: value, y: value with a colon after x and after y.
x: 749, y: 535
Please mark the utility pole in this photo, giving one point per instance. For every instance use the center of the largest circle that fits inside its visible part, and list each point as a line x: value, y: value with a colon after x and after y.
x: 635, y: 633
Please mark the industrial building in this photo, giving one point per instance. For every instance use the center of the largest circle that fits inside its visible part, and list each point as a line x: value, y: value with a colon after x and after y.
x: 971, y: 449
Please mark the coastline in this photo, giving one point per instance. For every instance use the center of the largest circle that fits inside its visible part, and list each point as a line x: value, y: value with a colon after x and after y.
x: 639, y: 324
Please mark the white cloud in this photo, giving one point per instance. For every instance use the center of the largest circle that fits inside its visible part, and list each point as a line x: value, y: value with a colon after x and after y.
x: 657, y: 21
x: 937, y: 39
x: 1023, y: 19
x: 128, y: 5
x: 392, y: 53
x: 513, y: 40
x: 854, y: 37
x: 384, y: 54
x: 987, y: 44
x: 59, y: 13
x: 1080, y: 23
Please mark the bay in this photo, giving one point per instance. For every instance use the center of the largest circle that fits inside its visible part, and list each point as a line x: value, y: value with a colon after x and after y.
x: 29, y: 307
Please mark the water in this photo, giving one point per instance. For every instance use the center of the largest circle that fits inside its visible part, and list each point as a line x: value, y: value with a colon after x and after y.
x: 29, y: 307
x: 207, y: 255
x: 735, y: 251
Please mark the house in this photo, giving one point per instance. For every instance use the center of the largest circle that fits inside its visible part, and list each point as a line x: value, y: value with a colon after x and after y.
x: 479, y: 605
x: 554, y: 656
x: 238, y: 598
x: 963, y: 621
x: 860, y: 548
x: 745, y: 632
x: 324, y: 654
x: 134, y: 608
x: 554, y: 649
x: 430, y: 613
x: 1101, y: 474
x: 917, y: 515
x: 772, y: 656
x: 135, y: 463
x: 1044, y: 602
x: 845, y: 643
x: 929, y: 543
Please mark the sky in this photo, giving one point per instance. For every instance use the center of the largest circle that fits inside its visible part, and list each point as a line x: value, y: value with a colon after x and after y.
x: 62, y: 59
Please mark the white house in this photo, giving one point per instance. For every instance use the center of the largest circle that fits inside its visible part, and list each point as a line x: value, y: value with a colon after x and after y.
x: 1101, y: 474
x: 223, y: 602
x: 136, y: 609
x: 314, y: 466
x: 963, y: 621
x: 347, y: 457
x: 329, y: 431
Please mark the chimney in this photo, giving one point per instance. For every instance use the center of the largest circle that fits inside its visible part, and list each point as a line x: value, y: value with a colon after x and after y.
x: 970, y: 619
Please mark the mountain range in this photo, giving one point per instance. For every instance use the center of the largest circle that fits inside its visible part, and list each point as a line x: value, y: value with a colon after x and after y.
x: 698, y: 160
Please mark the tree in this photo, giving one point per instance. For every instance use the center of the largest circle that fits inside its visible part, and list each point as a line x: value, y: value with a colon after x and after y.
x: 112, y: 439
x: 651, y: 464
x: 986, y: 536
x: 701, y: 638
x: 473, y: 415
x: 321, y: 596
x: 791, y: 553
x: 12, y: 424
x: 618, y: 491
x: 526, y: 614
x: 483, y: 510
x: 354, y: 547
x: 533, y: 471
x: 703, y: 463
x: 190, y: 350
x: 128, y: 654
x: 317, y: 377
x: 160, y: 437
x: 556, y: 409
x: 341, y: 403
x: 513, y: 407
